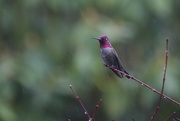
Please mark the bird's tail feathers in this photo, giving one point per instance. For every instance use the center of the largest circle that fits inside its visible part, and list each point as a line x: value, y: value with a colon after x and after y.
x: 124, y: 72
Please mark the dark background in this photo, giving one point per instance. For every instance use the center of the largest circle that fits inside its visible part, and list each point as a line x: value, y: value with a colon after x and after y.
x: 46, y: 45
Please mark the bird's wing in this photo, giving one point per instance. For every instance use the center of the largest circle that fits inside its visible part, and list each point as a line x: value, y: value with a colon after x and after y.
x: 120, y: 66
x: 117, y: 60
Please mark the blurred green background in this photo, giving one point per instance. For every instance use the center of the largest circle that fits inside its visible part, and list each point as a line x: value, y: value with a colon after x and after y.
x: 46, y: 45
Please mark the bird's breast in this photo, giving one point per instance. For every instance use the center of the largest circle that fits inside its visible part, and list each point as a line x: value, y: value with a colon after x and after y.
x: 106, y: 51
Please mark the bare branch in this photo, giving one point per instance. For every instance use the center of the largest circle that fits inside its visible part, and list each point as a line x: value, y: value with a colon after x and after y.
x: 77, y: 97
x: 170, y: 116
x: 146, y: 85
x: 94, y: 113
x: 162, y: 89
x: 97, y: 106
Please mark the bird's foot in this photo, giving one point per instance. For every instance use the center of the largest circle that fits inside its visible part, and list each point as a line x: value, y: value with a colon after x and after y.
x: 105, y: 65
x: 108, y: 66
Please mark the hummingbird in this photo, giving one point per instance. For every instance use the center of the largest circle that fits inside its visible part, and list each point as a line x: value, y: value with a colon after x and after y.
x: 110, y: 56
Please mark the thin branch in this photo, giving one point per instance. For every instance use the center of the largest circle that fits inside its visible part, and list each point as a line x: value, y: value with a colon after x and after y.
x: 170, y: 116
x: 77, y: 97
x: 94, y: 113
x: 164, y: 78
x: 97, y: 106
x: 146, y: 85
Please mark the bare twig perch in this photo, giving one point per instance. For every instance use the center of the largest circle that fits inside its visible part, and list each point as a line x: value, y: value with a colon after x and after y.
x: 146, y: 85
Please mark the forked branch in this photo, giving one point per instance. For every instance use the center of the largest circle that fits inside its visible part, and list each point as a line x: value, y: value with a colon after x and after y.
x: 85, y: 111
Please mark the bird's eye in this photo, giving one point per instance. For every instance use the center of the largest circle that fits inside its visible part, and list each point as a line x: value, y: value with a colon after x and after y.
x: 106, y: 38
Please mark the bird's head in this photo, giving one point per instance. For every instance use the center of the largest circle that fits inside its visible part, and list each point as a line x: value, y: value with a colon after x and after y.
x: 103, y: 41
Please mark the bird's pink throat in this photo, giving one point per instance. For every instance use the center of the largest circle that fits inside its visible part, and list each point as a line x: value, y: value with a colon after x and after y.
x: 105, y: 45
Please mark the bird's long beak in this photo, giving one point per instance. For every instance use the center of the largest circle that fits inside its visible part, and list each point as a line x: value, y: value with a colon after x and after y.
x: 96, y: 38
